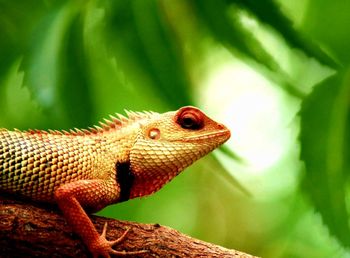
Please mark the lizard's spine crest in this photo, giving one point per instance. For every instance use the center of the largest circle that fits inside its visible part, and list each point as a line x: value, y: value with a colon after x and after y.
x: 116, y: 121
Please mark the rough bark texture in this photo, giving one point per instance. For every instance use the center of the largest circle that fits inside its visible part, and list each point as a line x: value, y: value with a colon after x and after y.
x: 28, y: 230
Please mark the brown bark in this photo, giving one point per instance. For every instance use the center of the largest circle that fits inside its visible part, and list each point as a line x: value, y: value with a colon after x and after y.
x: 28, y: 230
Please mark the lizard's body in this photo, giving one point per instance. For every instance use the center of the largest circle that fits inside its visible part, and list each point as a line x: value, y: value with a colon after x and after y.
x: 127, y: 158
x: 35, y: 163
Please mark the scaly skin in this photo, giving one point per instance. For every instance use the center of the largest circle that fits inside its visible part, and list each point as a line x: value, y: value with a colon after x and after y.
x: 90, y: 169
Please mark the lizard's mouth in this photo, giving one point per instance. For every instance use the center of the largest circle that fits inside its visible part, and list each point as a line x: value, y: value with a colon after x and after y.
x: 223, y: 134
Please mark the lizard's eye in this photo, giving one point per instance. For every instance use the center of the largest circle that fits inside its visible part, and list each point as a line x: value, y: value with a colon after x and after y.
x: 190, y: 119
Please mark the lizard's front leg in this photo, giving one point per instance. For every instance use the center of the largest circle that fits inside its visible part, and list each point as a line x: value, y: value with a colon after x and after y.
x: 96, y: 194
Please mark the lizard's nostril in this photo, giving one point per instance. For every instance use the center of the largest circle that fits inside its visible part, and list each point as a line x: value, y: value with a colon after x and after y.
x: 221, y: 126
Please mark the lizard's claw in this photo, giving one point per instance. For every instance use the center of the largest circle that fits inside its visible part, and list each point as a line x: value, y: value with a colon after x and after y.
x: 103, y: 248
x: 120, y: 239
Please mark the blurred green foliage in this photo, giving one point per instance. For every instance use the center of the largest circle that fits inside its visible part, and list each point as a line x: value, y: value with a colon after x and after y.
x: 325, y: 150
x: 66, y: 64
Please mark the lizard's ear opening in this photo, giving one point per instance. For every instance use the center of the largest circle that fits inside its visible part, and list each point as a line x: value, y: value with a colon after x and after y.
x: 154, y: 133
x: 190, y: 118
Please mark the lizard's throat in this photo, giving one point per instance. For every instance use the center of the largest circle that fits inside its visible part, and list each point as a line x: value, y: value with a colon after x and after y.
x: 134, y: 182
x: 148, y: 182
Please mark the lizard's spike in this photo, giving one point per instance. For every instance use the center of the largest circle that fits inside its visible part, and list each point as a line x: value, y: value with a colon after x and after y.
x: 66, y: 132
x: 108, y: 122
x: 139, y: 115
x: 86, y: 131
x: 122, y: 118
x: 75, y: 131
x: 93, y: 130
x: 132, y: 115
x: 79, y: 131
x: 113, y: 117
x: 98, y: 128
x: 128, y: 112
x: 55, y: 132
x: 116, y: 120
x: 42, y: 132
x: 72, y: 132
x: 104, y: 126
x: 146, y: 113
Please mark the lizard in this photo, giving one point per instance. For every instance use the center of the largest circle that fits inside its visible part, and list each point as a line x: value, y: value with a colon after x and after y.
x: 87, y: 169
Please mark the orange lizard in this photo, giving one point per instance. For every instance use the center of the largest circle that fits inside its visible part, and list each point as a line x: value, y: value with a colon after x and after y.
x: 123, y: 159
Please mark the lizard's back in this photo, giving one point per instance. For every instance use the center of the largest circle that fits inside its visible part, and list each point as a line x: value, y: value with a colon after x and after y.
x: 34, y: 164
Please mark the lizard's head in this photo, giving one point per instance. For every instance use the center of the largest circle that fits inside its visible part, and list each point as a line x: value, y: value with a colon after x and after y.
x: 167, y: 143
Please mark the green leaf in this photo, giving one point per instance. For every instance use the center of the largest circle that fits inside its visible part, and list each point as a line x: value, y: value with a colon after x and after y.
x: 55, y: 67
x: 328, y: 23
x: 225, y: 26
x: 144, y: 47
x: 214, y: 162
x: 325, y: 145
x: 269, y: 12
x: 214, y: 16
x: 74, y: 81
x: 230, y: 153
x: 17, y: 20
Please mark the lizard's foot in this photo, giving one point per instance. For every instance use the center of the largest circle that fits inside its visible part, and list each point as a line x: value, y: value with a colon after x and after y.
x: 103, y: 248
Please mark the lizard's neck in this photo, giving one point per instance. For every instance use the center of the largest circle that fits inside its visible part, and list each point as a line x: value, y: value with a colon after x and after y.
x: 112, y: 152
x: 134, y: 183
x: 148, y: 182
x: 113, y: 149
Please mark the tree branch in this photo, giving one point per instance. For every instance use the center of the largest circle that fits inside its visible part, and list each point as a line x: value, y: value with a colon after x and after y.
x: 28, y: 230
